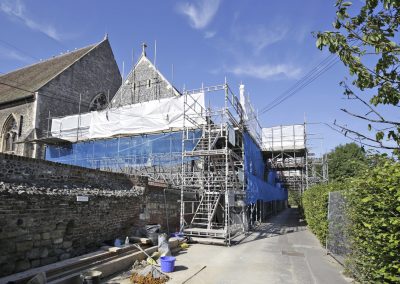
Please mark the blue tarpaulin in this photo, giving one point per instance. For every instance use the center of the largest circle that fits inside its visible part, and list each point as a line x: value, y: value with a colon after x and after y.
x: 119, y: 152
x: 257, y: 187
x: 162, y: 150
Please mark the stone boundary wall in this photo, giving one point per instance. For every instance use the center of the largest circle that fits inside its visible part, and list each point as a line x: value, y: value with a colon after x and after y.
x: 22, y: 169
x: 43, y: 222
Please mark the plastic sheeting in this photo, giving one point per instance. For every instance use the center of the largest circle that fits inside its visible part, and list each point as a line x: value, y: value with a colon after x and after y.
x: 148, y: 117
x: 119, y: 153
x: 257, y: 187
x: 287, y: 137
x: 67, y: 127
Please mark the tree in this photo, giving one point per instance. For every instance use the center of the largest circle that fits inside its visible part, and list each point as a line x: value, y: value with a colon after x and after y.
x: 346, y: 161
x: 366, y: 44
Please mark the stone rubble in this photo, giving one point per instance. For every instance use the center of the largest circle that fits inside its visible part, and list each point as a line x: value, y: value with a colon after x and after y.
x: 71, y: 190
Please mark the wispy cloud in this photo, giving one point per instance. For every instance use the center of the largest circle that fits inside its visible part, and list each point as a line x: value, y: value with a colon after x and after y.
x: 201, y: 13
x: 259, y: 37
x: 17, y: 9
x: 13, y: 55
x: 209, y: 34
x: 266, y: 71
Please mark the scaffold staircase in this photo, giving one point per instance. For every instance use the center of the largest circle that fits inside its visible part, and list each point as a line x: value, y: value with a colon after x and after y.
x: 210, y: 170
x: 207, y: 142
x: 206, y: 210
x: 210, y: 185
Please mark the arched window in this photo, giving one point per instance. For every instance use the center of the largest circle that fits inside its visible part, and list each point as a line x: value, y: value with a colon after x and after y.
x: 99, y: 102
x: 10, y: 132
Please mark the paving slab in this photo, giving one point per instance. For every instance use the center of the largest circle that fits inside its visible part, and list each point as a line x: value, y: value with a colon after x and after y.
x: 280, y: 251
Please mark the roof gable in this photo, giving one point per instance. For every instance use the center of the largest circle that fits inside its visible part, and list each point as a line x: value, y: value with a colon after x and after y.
x: 145, y: 60
x: 144, y: 83
x: 22, y: 83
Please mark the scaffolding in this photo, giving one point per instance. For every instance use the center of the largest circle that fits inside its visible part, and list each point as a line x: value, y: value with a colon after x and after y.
x: 215, y: 173
x: 212, y: 154
x: 286, y: 149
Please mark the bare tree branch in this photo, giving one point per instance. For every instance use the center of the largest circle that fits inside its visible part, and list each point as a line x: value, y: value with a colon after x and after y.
x: 351, y: 138
x: 370, y: 119
x: 364, y: 102
x: 363, y: 137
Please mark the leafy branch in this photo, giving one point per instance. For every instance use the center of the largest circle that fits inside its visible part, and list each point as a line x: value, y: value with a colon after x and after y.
x: 375, y: 27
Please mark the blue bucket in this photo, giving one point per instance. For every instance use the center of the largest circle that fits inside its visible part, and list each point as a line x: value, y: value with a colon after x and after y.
x: 167, y: 263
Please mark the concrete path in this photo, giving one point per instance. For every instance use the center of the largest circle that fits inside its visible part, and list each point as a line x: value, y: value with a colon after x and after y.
x: 280, y: 251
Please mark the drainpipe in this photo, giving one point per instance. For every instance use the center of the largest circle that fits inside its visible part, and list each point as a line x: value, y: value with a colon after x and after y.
x: 35, y: 120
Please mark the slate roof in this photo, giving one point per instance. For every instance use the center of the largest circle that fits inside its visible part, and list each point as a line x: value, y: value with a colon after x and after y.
x: 22, y: 83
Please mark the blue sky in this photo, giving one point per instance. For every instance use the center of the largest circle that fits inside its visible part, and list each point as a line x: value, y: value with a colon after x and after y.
x: 267, y: 45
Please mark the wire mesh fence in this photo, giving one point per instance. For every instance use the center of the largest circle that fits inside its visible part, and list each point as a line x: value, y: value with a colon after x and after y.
x: 337, y: 242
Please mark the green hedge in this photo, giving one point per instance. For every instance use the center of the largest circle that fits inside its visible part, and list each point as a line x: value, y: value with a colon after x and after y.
x: 374, y: 214
x: 373, y: 211
x: 294, y: 197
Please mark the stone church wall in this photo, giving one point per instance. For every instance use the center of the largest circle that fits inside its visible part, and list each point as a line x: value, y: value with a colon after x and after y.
x: 137, y: 88
x: 95, y: 73
x: 42, y: 222
x: 26, y: 110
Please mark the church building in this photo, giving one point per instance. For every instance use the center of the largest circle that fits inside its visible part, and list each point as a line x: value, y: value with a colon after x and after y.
x: 80, y: 81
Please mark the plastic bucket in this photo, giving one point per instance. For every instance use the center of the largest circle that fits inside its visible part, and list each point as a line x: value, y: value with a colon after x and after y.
x: 167, y: 263
x: 91, y: 277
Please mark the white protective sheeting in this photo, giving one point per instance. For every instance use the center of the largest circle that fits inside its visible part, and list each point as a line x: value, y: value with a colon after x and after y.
x: 288, y: 137
x: 67, y: 127
x: 148, y: 117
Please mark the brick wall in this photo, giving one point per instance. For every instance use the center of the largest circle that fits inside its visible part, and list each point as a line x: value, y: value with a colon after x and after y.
x: 42, y: 222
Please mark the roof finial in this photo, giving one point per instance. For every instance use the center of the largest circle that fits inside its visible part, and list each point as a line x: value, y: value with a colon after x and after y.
x: 144, y: 45
x: 105, y: 36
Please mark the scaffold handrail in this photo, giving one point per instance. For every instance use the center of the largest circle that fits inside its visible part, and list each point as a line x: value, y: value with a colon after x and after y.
x: 204, y: 89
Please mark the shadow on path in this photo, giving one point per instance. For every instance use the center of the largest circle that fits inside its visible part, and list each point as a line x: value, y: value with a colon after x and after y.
x: 286, y: 222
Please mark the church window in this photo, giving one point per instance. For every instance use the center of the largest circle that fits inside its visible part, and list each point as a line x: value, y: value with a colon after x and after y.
x: 99, y: 102
x: 21, y: 123
x: 10, y: 131
x: 149, y: 83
